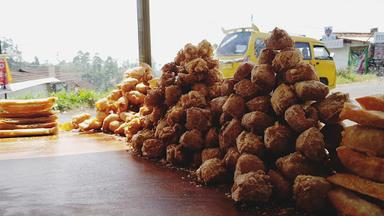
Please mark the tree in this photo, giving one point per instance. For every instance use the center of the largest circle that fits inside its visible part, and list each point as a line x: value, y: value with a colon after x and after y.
x: 36, y: 61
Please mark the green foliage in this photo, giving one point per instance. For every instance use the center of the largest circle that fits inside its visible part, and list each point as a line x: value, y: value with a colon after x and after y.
x: 348, y: 76
x: 72, y: 100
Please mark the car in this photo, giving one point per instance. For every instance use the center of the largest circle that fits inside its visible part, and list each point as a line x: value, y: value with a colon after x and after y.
x: 245, y: 44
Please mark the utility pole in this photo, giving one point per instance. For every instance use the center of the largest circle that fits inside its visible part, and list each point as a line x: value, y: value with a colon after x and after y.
x: 143, y: 24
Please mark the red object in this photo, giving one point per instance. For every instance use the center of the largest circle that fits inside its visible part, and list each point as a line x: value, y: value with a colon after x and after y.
x: 3, y: 73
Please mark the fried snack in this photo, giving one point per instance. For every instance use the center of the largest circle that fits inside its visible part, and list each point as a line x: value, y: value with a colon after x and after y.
x: 347, y: 203
x: 279, y: 40
x: 224, y: 118
x: 142, y: 73
x: 364, y: 139
x: 243, y: 71
x: 114, y: 125
x: 90, y: 124
x: 332, y: 136
x: 311, y: 144
x: 135, y: 97
x: 205, y: 49
x: 293, y: 165
x: 301, y: 117
x: 215, y: 90
x: 283, y: 97
x: 278, y: 139
x: 154, y: 97
x: 266, y: 56
x: 310, y: 192
x: 170, y: 134
x: 246, y: 89
x: 264, y: 76
x: 364, y: 117
x: 365, y: 166
x: 212, y: 171
x: 142, y: 88
x: 196, y: 160
x: 256, y: 121
x: 100, y: 116
x: 197, y: 65
x: 281, y: 187
x: 248, y: 163
x: 144, y: 110
x: 286, y: 59
x: 213, y: 76
x: 121, y: 129
x: 28, y: 132
x: 230, y: 159
x: 175, y: 155
x: 167, y: 78
x: 212, y: 138
x: 28, y: 114
x: 227, y: 87
x: 372, y: 102
x: 156, y: 114
x: 357, y: 184
x: 175, y: 115
x: 126, y: 116
x: 77, y: 119
x: 172, y: 94
x: 102, y: 105
x: 198, y: 119
x: 20, y: 121
x: 216, y: 104
x: 186, y: 80
x: 122, y: 104
x: 4, y: 126
x: 234, y: 105
x: 302, y: 72
x: 210, y: 153
x: 133, y: 127
x: 248, y: 142
x: 193, y: 99
x: 260, y: 103
x: 252, y: 186
x: 128, y: 84
x: 202, y: 88
x: 110, y: 118
x: 114, y: 95
x: 153, y: 148
x: 311, y: 90
x: 24, y: 106
x: 139, y: 138
x: 330, y: 108
x: 229, y: 133
x: 192, y: 140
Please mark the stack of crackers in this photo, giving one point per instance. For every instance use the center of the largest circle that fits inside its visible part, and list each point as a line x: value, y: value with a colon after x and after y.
x: 27, y: 117
x: 361, y: 153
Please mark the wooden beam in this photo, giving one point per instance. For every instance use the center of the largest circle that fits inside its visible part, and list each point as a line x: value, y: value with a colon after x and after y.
x: 143, y: 24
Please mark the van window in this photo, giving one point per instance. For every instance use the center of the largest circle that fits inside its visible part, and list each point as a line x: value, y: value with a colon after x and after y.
x: 234, y: 44
x: 321, y: 53
x: 304, y: 49
x: 259, y: 45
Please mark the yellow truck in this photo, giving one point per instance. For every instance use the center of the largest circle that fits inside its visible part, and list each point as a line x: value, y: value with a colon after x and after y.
x: 245, y: 44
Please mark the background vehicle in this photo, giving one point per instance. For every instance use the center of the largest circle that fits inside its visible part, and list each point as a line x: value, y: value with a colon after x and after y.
x: 245, y: 44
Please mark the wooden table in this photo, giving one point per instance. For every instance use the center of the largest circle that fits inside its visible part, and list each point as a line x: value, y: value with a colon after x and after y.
x: 93, y: 174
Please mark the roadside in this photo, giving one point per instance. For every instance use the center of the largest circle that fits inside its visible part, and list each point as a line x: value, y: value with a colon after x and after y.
x: 359, y: 89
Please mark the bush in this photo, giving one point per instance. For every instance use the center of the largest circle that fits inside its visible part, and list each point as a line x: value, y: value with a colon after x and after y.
x: 348, y: 76
x: 72, y: 100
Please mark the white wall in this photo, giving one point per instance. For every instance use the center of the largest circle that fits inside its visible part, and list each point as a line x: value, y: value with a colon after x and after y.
x: 341, y: 56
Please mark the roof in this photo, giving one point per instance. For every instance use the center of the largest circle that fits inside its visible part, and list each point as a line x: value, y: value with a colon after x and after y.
x: 30, y: 83
x: 365, y: 37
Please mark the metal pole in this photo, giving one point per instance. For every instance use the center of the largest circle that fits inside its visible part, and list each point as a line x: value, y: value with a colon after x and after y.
x: 143, y: 24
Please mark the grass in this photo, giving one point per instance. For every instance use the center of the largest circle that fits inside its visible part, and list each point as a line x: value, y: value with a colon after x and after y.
x: 83, y: 98
x: 347, y: 76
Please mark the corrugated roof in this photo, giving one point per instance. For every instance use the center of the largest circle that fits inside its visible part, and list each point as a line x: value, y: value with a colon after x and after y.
x: 356, y: 36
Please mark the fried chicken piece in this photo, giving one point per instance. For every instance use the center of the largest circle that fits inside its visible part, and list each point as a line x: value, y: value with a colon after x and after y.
x: 210, y: 153
x: 192, y: 139
x: 246, y: 89
x: 175, y: 115
x: 248, y: 163
x: 212, y: 138
x: 260, y: 103
x: 264, y: 76
x: 330, y: 108
x: 362, y: 165
x: 372, y: 102
x: 283, y: 97
x: 216, y: 104
x: 364, y: 117
x: 281, y: 187
x: 311, y: 144
x: 358, y: 184
x: 212, y: 171
x: 202, y: 88
x: 364, y: 139
x: 243, y: 71
x: 311, y: 90
x: 278, y: 139
x: 153, y: 148
x: 279, y: 40
x: 197, y: 65
x: 293, y: 165
x: 257, y: 121
x: 310, y: 192
x: 77, y: 119
x: 227, y: 87
x: 115, y: 95
x: 229, y: 133
x: 302, y: 72
x: 347, y: 203
x: 205, y: 49
x: 175, y: 155
x: 252, y: 186
x: 128, y: 84
x: 155, y: 97
x: 193, y: 99
x: 286, y: 59
x: 301, y: 117
x: 142, y: 88
x: 172, y: 94
x: 198, y: 119
x: 139, y: 138
x: 248, y: 142
x: 234, y: 105
x: 266, y: 56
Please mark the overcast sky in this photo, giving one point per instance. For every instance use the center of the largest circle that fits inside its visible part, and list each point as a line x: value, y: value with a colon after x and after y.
x: 55, y: 30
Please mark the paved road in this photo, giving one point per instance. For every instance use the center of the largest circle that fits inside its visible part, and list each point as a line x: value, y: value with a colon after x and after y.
x: 363, y: 88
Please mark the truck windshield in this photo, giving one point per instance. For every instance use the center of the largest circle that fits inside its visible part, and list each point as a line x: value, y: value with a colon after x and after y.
x: 234, y: 44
